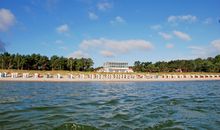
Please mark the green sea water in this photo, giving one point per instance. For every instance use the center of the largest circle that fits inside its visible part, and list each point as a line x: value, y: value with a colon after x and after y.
x: 193, y: 105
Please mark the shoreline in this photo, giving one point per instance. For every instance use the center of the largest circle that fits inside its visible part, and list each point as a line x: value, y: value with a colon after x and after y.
x: 105, y: 77
x: 104, y: 80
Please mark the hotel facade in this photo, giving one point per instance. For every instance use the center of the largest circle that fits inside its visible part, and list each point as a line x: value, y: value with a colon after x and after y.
x: 116, y: 67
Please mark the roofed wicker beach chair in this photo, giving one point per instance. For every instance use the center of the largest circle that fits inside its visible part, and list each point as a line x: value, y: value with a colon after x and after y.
x: 14, y: 75
x: 59, y: 76
x: 25, y: 75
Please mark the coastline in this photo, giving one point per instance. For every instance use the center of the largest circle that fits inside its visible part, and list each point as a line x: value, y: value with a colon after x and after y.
x: 8, y: 79
x: 59, y: 76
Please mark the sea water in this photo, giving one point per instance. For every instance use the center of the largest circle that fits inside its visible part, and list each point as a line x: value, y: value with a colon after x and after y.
x: 110, y: 105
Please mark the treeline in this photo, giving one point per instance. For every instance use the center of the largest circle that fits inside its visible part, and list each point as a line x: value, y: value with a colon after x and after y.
x: 198, y: 65
x: 39, y: 62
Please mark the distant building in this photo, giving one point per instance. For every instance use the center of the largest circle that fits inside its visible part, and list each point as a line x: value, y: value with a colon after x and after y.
x: 179, y: 70
x: 116, y: 67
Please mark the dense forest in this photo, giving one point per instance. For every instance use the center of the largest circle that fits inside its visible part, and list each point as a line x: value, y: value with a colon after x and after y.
x: 39, y: 62
x: 198, y: 65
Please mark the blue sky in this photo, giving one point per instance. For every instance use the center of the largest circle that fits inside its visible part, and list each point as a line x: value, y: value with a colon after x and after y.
x: 112, y: 30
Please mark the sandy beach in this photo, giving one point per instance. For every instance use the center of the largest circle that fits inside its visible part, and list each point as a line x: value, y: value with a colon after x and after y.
x: 67, y: 79
x: 60, y: 76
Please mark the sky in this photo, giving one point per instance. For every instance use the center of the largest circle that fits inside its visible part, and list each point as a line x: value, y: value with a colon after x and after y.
x: 112, y: 30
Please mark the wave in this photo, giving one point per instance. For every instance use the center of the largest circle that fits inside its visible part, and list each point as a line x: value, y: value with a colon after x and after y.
x: 74, y: 126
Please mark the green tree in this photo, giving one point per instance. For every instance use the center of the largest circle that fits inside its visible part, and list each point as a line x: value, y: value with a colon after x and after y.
x: 54, y: 61
x: 70, y: 64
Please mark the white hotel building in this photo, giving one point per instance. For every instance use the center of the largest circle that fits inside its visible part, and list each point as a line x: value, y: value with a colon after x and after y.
x: 116, y: 67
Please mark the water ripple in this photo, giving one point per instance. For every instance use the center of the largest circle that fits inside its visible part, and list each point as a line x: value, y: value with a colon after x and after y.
x: 93, y: 106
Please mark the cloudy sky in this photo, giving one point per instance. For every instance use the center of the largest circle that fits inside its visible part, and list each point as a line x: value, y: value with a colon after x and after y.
x: 111, y: 30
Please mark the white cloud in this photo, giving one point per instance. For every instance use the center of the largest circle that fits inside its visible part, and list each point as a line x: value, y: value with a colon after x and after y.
x: 116, y: 46
x: 199, y: 51
x: 169, y: 46
x: 63, y: 28
x: 59, y: 42
x: 93, y: 16
x: 166, y: 36
x: 156, y: 27
x: 216, y: 44
x: 107, y: 53
x: 212, y: 49
x: 182, y: 18
x: 104, y: 6
x: 64, y: 48
x: 182, y: 35
x: 208, y: 21
x: 199, y: 48
x: 50, y: 5
x: 79, y: 54
x: 117, y: 20
x: 7, y: 19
